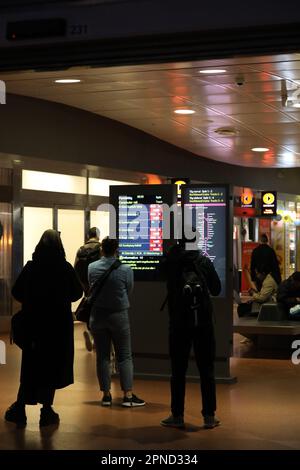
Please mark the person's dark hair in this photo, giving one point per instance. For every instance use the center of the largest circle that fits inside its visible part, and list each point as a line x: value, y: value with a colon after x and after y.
x: 93, y: 232
x: 49, y: 247
x: 263, y: 269
x: 296, y: 276
x: 264, y: 238
x: 109, y: 246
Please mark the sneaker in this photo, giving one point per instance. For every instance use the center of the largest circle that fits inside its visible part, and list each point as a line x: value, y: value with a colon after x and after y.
x: 106, y: 400
x: 173, y: 421
x: 16, y: 414
x: 133, y: 401
x: 211, y: 422
x: 48, y: 417
x: 88, y: 341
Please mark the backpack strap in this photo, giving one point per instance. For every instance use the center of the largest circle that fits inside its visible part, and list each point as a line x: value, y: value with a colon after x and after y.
x: 164, y: 303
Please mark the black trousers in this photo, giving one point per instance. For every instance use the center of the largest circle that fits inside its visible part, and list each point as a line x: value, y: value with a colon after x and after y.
x: 181, y: 339
x: 30, y: 394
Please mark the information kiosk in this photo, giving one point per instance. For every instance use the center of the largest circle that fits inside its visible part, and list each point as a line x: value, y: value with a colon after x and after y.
x: 142, y: 221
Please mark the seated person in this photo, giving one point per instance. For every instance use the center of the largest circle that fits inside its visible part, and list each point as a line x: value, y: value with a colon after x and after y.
x: 267, y: 293
x: 288, y: 294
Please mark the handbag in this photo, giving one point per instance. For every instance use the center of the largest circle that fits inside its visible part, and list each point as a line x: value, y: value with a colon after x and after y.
x: 83, y: 311
x: 19, y: 329
x: 294, y: 313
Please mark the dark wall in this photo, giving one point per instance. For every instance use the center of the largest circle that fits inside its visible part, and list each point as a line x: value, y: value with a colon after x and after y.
x: 47, y: 130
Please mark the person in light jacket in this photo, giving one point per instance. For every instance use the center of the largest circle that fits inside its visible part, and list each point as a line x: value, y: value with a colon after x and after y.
x: 267, y: 293
x: 109, y: 323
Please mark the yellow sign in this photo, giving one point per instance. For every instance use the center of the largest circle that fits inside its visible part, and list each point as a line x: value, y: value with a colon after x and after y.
x: 246, y: 199
x: 179, y: 183
x: 268, y: 198
x: 269, y: 203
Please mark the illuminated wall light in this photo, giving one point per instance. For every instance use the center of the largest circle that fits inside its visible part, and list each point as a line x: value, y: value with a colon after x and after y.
x: 67, y: 80
x: 184, y: 111
x: 100, y: 187
x: 260, y: 149
x: 54, y: 182
x: 212, y: 71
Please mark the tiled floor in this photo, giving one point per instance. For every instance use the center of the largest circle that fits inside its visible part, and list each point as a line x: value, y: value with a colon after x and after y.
x: 261, y: 411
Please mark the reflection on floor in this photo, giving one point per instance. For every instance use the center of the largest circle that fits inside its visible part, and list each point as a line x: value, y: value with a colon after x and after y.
x: 261, y: 411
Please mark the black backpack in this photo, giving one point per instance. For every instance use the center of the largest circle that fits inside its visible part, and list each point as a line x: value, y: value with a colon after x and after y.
x: 86, y: 254
x: 193, y: 292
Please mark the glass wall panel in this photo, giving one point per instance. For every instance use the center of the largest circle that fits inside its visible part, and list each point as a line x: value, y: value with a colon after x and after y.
x: 5, y: 258
x: 100, y: 219
x: 36, y: 221
x: 70, y: 224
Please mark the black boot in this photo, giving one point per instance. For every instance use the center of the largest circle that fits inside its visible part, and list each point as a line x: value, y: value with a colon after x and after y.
x: 48, y: 416
x: 16, y: 414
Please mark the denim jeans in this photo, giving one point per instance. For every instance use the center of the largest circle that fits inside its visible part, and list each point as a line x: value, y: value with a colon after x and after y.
x: 113, y: 328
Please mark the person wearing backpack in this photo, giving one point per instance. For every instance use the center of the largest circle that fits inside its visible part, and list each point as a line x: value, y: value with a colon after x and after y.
x: 191, y: 279
x: 88, y: 253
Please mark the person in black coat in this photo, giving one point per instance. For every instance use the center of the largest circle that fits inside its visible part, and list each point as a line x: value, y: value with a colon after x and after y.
x: 264, y: 255
x: 185, y: 331
x: 46, y: 287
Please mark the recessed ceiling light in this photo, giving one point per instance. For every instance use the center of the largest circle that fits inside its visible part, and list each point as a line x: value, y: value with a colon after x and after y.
x: 296, y: 105
x: 226, y: 131
x: 212, y: 71
x: 184, y: 111
x: 260, y: 149
x: 68, y: 80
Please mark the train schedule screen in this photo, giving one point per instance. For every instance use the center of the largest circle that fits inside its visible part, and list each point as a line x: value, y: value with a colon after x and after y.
x: 206, y: 212
x: 140, y: 231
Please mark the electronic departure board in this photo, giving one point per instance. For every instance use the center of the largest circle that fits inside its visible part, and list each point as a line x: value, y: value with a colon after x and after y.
x: 205, y: 209
x: 140, y: 222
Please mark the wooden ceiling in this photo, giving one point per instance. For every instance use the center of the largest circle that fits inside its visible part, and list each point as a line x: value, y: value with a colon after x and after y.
x: 145, y: 97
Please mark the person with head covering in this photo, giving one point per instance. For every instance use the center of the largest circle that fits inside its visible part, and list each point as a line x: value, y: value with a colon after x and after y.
x: 46, y: 287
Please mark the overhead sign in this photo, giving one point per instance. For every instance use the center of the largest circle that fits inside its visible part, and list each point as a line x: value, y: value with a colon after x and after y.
x: 247, y: 200
x: 269, y: 203
x: 179, y: 182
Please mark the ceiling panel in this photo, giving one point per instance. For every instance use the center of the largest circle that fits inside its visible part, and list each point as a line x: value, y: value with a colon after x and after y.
x: 146, y: 96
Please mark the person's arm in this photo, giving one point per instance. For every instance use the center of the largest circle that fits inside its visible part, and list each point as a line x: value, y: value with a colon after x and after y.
x: 265, y: 293
x: 89, y: 275
x: 129, y: 281
x: 76, y: 290
x: 20, y: 286
x: 76, y: 258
